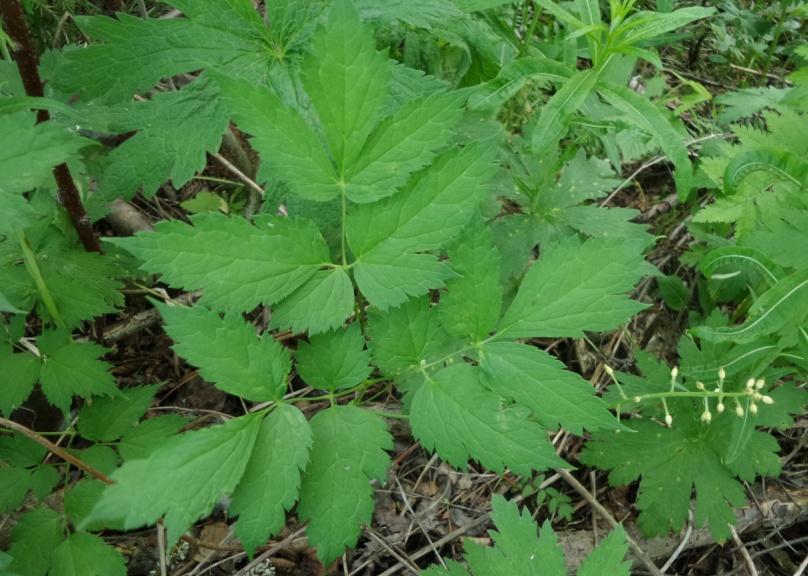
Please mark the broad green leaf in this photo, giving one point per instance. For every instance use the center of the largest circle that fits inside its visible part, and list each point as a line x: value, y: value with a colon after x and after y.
x: 608, y: 558
x: 21, y: 372
x: 181, y: 480
x: 323, y: 303
x: 102, y: 458
x: 43, y: 480
x: 648, y: 117
x: 674, y: 292
x: 174, y: 132
x: 33, y: 541
x: 107, y: 419
x: 785, y: 303
x: 455, y: 415
x: 14, y: 484
x: 473, y: 302
x: 283, y: 138
x: 239, y: 265
x: 552, y: 123
x: 84, y: 554
x: 271, y: 480
x: 334, y: 360
x: 147, y: 436
x: 540, y: 382
x: 780, y: 164
x: 135, y: 54
x: 80, y: 500
x: 21, y: 451
x: 228, y: 352
x: 336, y: 497
x: 404, y: 338
x: 576, y: 287
x: 72, y: 368
x: 347, y: 80
x: 671, y: 463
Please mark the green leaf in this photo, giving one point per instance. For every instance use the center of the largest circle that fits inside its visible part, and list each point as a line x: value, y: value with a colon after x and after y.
x: 608, y: 558
x: 21, y: 451
x: 174, y: 132
x: 644, y: 25
x: 181, y: 480
x: 671, y: 463
x: 282, y: 138
x: 473, y: 301
x: 43, y: 480
x: 552, y: 123
x: 336, y: 497
x: 334, y: 360
x: 347, y: 80
x: 538, y: 381
x: 14, y: 483
x: 80, y: 500
x: 84, y: 554
x: 102, y: 458
x: 673, y: 291
x: 271, y: 480
x: 648, y: 117
x: 72, y: 368
x: 454, y: 414
x: 107, y: 419
x: 405, y: 337
x: 21, y: 372
x: 140, y: 441
x: 321, y: 304
x: 138, y: 53
x: 33, y: 541
x: 239, y: 265
x: 228, y: 352
x: 574, y: 287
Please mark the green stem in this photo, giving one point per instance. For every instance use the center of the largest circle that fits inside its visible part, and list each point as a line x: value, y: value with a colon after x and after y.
x: 33, y: 269
x: 674, y: 395
x: 344, y: 201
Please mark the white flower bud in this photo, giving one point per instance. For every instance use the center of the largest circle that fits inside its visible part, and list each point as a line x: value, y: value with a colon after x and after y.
x: 608, y: 370
x: 753, y: 408
x: 759, y: 383
x: 674, y: 372
x: 722, y: 374
x: 637, y: 399
x: 739, y: 410
x: 706, y: 416
x: 700, y: 385
x: 768, y: 400
x: 750, y: 384
x: 720, y: 408
x: 668, y: 420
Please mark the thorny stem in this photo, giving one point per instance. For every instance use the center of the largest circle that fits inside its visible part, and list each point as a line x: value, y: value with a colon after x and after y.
x: 54, y: 449
x: 28, y: 63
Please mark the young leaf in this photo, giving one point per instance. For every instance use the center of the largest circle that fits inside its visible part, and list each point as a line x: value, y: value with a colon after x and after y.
x: 181, y: 480
x: 473, y: 301
x: 334, y: 360
x: 84, y: 554
x: 107, y: 419
x: 454, y: 414
x: 240, y: 265
x: 271, y: 480
x: 537, y: 380
x: 228, y: 352
x: 336, y: 498
x: 72, y: 368
x: 33, y: 541
x: 575, y: 287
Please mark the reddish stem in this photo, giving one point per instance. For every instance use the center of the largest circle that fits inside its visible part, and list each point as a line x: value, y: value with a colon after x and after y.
x: 28, y: 64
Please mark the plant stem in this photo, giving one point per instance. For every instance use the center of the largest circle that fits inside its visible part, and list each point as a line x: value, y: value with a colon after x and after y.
x: 33, y: 270
x: 28, y: 63
x: 54, y: 449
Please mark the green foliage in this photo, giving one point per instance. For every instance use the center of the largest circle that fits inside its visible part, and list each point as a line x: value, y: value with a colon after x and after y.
x: 519, y: 551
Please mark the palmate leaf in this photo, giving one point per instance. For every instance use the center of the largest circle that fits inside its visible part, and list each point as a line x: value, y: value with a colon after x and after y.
x: 181, y: 480
x: 336, y: 497
x: 228, y: 352
x: 271, y: 480
x: 239, y: 265
x: 518, y: 551
x: 348, y: 83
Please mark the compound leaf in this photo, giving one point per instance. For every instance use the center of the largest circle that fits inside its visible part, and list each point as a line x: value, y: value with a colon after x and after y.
x: 228, y: 352
x: 336, y: 498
